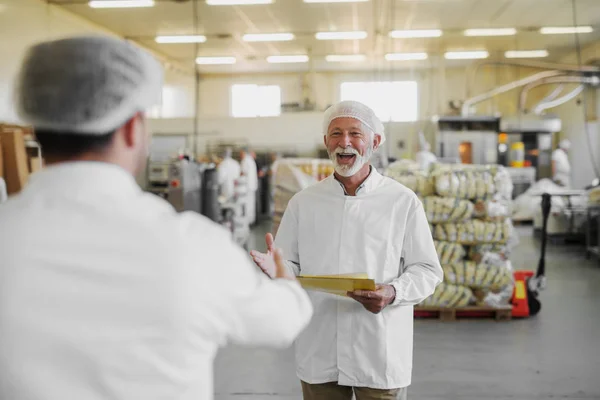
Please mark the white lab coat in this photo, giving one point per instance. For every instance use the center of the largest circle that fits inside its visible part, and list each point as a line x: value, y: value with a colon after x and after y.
x: 107, y: 293
x: 3, y: 192
x: 562, y: 174
x: 228, y: 171
x: 248, y: 166
x: 382, y: 231
x: 425, y: 159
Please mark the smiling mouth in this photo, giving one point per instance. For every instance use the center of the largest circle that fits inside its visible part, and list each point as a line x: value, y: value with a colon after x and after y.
x: 346, y: 158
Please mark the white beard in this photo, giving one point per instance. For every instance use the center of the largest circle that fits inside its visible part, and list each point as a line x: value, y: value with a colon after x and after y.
x: 359, y: 161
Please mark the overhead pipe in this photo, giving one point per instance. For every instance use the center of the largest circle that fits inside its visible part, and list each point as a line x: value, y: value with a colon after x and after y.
x: 553, y: 95
x: 592, y: 80
x: 557, y: 102
x: 505, y: 88
x: 531, y: 64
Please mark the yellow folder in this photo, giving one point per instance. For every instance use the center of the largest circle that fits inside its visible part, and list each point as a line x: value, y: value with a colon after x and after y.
x: 337, y: 284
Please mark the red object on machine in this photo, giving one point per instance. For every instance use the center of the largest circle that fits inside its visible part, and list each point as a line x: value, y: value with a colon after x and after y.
x: 519, y: 299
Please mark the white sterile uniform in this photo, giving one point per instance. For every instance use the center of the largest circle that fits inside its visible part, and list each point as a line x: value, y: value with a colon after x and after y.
x: 562, y: 166
x: 382, y: 231
x: 425, y: 158
x: 228, y: 171
x: 248, y: 166
x: 107, y: 293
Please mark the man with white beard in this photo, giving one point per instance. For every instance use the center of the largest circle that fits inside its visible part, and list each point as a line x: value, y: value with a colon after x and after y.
x: 357, y: 221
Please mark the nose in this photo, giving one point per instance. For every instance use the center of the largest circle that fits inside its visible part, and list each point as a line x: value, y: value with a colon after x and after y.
x: 345, y: 140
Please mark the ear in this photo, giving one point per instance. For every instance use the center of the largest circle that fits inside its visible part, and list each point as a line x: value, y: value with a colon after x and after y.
x: 130, y: 131
x: 376, y: 141
x: 325, y: 140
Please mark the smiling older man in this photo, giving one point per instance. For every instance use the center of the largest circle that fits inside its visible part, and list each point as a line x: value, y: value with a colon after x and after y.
x: 357, y: 221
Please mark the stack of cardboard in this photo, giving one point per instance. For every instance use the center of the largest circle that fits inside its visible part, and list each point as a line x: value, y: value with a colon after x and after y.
x: 17, y: 162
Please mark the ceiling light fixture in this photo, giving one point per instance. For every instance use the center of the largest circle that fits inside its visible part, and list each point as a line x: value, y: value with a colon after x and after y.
x: 405, y: 56
x: 181, y: 39
x: 345, y: 58
x: 287, y: 59
x: 466, y: 55
x: 121, y: 3
x: 418, y: 33
x: 268, y: 37
x: 491, y: 32
x: 215, y: 60
x: 526, y: 54
x: 236, y: 2
x: 335, y: 1
x: 341, y: 35
x: 561, y: 30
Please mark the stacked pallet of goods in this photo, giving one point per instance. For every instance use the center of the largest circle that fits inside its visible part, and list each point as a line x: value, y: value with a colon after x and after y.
x: 291, y: 175
x: 468, y: 207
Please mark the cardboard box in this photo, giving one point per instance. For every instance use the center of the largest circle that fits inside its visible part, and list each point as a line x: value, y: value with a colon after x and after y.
x: 1, y: 160
x: 35, y: 164
x: 16, y: 168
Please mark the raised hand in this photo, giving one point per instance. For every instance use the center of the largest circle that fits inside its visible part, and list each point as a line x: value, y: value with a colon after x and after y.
x: 271, y: 262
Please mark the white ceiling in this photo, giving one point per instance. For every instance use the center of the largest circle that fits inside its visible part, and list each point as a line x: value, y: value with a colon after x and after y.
x: 225, y: 25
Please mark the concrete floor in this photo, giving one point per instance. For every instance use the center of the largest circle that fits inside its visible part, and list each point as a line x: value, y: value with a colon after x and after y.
x: 555, y: 355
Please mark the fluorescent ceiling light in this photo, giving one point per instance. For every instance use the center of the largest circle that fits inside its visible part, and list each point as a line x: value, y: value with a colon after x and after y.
x: 121, y: 3
x: 341, y: 35
x: 491, y: 32
x: 526, y: 54
x: 268, y: 37
x: 335, y: 1
x: 215, y: 60
x: 346, y: 58
x: 181, y: 39
x: 558, y: 30
x: 466, y: 55
x: 405, y: 56
x: 287, y: 59
x: 236, y: 2
x: 418, y: 33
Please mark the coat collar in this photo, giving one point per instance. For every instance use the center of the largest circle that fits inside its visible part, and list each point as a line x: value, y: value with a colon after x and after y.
x: 84, y: 176
x: 370, y: 184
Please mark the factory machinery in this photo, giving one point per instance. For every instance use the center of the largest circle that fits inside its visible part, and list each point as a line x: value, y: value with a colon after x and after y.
x: 192, y: 186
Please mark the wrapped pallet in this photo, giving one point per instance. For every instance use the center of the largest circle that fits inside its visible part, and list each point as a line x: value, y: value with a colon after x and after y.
x: 449, y: 295
x: 474, y: 232
x: 449, y: 253
x: 409, y: 175
x: 444, y: 209
x: 478, y: 276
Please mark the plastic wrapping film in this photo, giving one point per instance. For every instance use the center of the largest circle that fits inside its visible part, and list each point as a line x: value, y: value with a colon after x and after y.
x: 408, y: 174
x: 449, y: 295
x: 474, y: 232
x: 450, y: 253
x: 444, y: 209
x: 472, y: 181
x: 478, y: 276
x: 492, y: 210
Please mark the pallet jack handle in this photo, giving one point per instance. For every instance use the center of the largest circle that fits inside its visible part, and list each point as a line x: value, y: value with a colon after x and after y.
x: 538, y: 282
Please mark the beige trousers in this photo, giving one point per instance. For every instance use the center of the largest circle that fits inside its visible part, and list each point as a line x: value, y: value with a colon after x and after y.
x: 333, y: 391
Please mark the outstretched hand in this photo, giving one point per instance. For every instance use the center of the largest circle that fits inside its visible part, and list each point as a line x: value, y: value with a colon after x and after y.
x: 272, y: 262
x: 375, y: 300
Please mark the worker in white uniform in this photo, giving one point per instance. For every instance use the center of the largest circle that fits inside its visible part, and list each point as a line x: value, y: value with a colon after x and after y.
x: 105, y: 291
x: 357, y: 221
x: 249, y: 170
x: 561, y: 167
x: 425, y: 157
x: 228, y: 172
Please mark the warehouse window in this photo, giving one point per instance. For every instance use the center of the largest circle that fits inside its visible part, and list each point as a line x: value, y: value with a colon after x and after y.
x: 391, y: 101
x: 255, y: 100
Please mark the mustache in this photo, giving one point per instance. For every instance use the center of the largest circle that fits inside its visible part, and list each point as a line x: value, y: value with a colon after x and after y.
x: 347, y: 150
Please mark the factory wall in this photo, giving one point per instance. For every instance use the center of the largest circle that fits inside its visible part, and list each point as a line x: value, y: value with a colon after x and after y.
x: 25, y: 22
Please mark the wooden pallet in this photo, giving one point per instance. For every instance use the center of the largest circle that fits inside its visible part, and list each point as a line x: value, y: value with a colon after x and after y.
x: 452, y: 314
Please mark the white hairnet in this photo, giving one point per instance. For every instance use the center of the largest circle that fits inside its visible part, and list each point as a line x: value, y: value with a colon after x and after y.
x: 565, y: 144
x: 90, y: 84
x: 356, y: 110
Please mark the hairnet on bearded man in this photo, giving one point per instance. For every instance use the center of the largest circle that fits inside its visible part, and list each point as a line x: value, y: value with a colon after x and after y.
x: 356, y: 110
